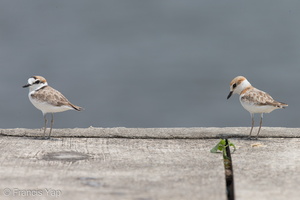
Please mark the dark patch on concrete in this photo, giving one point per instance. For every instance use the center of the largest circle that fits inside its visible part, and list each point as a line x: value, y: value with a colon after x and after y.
x: 69, y: 156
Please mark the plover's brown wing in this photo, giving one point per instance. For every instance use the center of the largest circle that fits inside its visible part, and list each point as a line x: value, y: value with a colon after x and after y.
x: 261, y: 98
x: 53, y: 97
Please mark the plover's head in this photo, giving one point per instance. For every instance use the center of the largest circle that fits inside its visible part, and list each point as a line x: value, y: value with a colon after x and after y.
x: 237, y: 85
x: 36, y: 82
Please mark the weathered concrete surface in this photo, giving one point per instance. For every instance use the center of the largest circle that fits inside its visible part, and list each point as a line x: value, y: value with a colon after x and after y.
x: 157, y: 133
x: 267, y: 168
x: 147, y: 164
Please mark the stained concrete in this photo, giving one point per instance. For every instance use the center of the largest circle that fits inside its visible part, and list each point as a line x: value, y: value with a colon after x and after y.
x: 147, y: 164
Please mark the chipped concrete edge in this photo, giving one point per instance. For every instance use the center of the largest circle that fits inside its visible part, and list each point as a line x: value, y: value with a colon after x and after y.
x: 157, y: 133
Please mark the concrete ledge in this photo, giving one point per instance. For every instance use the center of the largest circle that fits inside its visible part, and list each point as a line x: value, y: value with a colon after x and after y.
x: 148, y: 164
x: 158, y: 133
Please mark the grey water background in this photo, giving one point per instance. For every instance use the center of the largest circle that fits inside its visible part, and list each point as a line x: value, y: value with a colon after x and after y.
x: 158, y: 63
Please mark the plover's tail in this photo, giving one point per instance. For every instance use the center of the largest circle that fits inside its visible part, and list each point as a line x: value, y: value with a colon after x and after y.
x: 76, y: 107
x: 281, y: 105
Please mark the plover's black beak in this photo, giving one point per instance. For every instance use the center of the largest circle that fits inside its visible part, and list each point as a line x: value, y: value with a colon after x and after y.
x: 27, y: 85
x: 229, y: 95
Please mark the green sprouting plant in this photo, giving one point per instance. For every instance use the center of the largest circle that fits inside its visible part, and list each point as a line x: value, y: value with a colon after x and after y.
x: 221, y: 147
x: 224, y: 147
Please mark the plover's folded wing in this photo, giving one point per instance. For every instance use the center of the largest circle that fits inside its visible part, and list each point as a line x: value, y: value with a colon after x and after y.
x: 261, y: 98
x: 53, y: 97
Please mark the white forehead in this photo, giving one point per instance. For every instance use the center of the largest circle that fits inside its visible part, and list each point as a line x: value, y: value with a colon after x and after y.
x: 31, y: 80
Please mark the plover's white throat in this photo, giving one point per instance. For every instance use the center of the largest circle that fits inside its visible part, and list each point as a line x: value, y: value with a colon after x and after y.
x: 253, y: 100
x: 47, y: 99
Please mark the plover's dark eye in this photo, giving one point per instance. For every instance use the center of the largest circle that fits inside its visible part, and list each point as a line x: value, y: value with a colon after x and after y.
x: 234, y: 86
x: 37, y: 81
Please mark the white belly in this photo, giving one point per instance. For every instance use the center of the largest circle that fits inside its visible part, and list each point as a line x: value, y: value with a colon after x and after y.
x: 48, y: 108
x: 252, y: 108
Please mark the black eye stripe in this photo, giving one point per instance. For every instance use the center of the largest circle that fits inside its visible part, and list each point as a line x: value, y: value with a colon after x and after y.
x: 37, y: 81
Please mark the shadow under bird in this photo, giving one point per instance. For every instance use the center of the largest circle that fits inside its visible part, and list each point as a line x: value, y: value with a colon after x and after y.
x: 253, y: 100
x: 47, y: 99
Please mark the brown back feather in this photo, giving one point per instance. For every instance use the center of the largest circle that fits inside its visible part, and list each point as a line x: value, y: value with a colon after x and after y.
x: 261, y: 98
x: 54, y: 97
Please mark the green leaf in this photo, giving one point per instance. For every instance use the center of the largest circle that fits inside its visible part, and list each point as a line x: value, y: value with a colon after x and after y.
x: 221, y: 147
